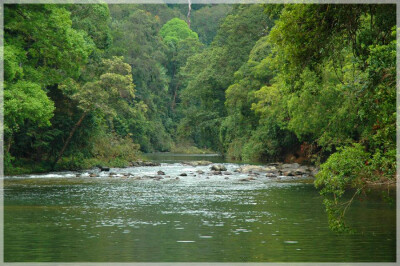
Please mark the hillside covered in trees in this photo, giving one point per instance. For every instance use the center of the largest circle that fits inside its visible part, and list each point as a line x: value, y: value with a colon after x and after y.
x: 97, y: 84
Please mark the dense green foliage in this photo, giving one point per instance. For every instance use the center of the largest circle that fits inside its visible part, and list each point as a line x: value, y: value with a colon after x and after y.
x: 68, y: 97
x: 94, y: 84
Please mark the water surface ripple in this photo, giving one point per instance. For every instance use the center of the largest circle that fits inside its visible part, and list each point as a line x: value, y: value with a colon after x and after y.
x: 198, y: 217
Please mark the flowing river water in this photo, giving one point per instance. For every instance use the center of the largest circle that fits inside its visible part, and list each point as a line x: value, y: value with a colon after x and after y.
x: 59, y: 217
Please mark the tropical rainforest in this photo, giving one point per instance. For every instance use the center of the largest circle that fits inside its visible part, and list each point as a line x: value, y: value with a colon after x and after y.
x: 98, y: 84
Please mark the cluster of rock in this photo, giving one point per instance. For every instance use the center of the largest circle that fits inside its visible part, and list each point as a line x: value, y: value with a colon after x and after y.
x: 279, y: 169
x: 273, y: 170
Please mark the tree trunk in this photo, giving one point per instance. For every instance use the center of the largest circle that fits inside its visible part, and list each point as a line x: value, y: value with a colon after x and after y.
x: 9, y: 144
x: 188, y: 14
x: 71, y: 134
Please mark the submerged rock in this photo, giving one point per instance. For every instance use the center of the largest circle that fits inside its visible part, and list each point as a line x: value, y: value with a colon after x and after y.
x: 247, y: 179
x: 200, y: 172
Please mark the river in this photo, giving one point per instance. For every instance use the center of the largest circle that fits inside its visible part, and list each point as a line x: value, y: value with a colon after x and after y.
x: 58, y: 217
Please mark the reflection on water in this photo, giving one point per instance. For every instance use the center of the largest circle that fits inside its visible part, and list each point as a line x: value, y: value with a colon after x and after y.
x: 87, y: 219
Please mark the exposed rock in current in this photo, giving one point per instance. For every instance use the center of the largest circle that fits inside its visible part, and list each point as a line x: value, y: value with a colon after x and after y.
x: 289, y: 173
x: 160, y: 173
x: 270, y: 175
x: 218, y: 167
x: 183, y: 174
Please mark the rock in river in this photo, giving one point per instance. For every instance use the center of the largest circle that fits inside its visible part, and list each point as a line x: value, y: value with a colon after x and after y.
x: 218, y: 167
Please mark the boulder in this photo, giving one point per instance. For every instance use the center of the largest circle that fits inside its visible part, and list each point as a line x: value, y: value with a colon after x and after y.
x: 289, y: 173
x: 218, y: 167
x: 301, y: 171
x: 270, y: 175
x: 183, y: 174
x: 160, y: 173
x: 105, y: 169
x: 135, y: 164
x: 217, y: 173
